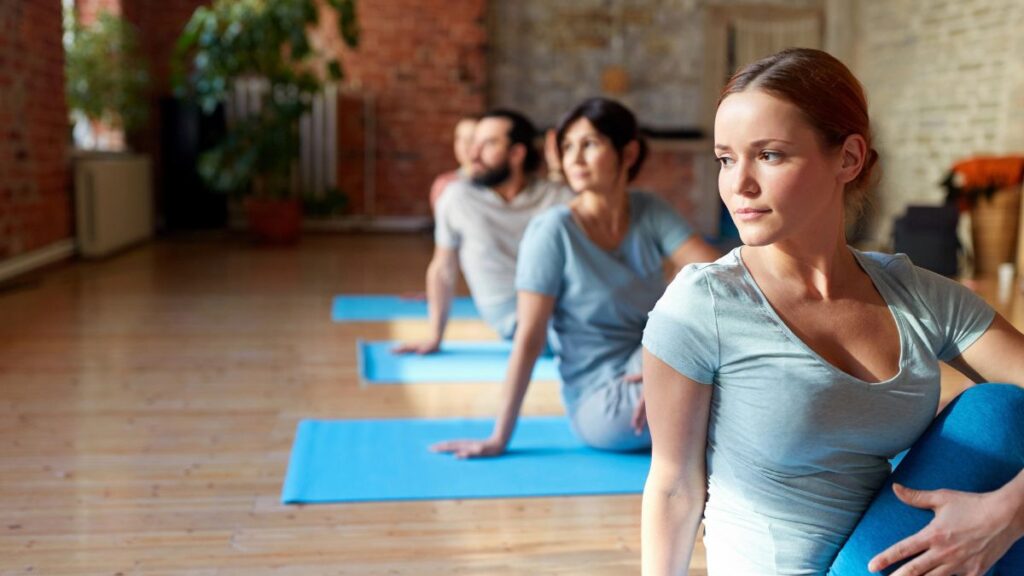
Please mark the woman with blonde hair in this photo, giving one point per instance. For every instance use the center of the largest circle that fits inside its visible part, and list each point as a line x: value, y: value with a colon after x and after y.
x: 782, y: 378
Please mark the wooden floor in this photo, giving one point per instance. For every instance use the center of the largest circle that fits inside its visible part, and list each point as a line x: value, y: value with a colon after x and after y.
x: 148, y: 403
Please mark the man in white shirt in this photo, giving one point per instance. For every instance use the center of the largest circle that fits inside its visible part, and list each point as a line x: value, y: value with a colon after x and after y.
x: 479, y: 223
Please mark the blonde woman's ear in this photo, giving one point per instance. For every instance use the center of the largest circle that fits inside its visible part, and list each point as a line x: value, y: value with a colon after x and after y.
x: 855, y: 150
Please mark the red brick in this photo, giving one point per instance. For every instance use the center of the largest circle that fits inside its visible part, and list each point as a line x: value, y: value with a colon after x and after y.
x: 33, y: 168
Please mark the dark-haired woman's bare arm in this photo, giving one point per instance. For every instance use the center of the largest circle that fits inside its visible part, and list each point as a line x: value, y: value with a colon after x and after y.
x: 694, y: 250
x: 532, y: 314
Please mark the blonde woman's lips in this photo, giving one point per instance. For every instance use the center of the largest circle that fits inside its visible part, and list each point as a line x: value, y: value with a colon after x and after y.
x: 750, y: 214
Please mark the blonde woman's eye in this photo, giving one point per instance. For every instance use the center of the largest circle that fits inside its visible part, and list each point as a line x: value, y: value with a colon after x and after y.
x: 723, y: 161
x: 770, y: 156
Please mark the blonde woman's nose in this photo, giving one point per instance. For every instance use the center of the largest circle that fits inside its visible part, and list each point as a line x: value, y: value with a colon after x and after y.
x: 746, y: 181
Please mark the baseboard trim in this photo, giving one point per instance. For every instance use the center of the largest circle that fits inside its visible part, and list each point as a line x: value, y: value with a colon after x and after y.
x: 368, y: 224
x: 29, y: 261
x: 403, y: 224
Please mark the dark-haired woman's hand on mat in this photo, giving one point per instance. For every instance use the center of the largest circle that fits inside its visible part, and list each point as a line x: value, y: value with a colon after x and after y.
x: 533, y: 313
x: 428, y: 347
x: 639, y: 420
x: 471, y: 448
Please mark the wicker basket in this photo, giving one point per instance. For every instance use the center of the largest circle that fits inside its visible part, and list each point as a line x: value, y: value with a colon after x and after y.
x: 995, y: 222
x: 1020, y: 243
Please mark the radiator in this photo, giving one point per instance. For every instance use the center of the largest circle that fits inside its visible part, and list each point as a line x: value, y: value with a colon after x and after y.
x: 317, y: 171
x: 337, y: 143
x: 113, y: 202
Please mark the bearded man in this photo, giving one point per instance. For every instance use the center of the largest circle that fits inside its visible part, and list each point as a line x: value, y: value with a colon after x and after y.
x: 480, y: 221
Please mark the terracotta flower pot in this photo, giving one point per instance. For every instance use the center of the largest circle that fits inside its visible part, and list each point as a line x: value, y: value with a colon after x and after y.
x: 274, y: 220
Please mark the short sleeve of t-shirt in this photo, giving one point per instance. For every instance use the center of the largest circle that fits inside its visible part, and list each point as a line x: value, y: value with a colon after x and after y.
x: 960, y: 316
x: 682, y: 329
x: 667, y: 225
x: 540, y: 265
x: 446, y: 235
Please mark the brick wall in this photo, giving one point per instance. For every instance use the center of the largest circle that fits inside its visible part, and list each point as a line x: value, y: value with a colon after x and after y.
x: 423, y: 63
x: 547, y: 56
x: 89, y: 10
x: 671, y: 171
x: 160, y: 23
x: 943, y: 83
x: 550, y: 55
x: 35, y: 206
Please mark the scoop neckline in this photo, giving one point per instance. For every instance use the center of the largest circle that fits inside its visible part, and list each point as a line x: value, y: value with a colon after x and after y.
x: 900, y: 328
x: 619, y: 250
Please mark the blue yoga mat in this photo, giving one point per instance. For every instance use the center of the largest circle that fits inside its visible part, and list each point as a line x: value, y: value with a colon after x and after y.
x: 455, y: 362
x: 380, y: 308
x: 368, y: 460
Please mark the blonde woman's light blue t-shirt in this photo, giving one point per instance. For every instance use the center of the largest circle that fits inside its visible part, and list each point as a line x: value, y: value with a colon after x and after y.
x: 796, y: 447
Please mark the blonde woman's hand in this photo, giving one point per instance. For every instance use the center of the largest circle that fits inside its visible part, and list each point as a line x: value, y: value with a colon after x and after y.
x: 968, y: 535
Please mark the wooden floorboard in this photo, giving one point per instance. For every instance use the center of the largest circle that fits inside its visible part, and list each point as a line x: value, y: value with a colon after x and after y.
x: 148, y: 403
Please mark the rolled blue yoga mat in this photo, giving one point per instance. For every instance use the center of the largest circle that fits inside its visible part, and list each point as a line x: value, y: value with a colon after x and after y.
x: 381, y: 308
x: 373, y: 460
x: 455, y: 362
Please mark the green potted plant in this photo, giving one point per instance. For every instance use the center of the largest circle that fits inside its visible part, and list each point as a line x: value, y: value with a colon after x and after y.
x: 266, y: 41
x: 333, y: 202
x: 107, y: 84
x: 105, y: 78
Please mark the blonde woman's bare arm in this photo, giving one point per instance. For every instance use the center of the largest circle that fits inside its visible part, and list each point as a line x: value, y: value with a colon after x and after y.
x: 673, y: 503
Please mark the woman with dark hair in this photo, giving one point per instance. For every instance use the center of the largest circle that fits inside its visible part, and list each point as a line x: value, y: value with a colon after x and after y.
x: 592, y: 270
x: 784, y: 377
